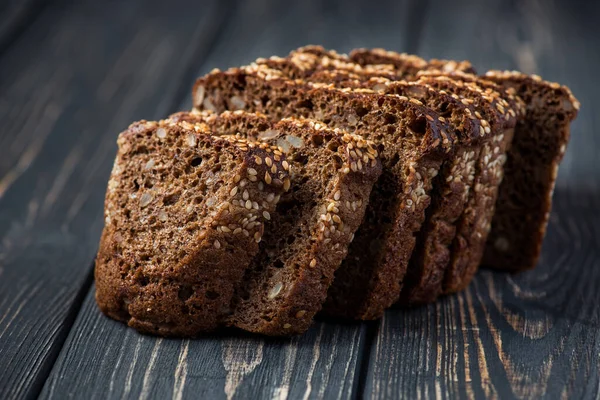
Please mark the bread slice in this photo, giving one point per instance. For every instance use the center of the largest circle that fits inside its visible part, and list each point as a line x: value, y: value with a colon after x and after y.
x: 333, y: 174
x: 413, y: 148
x: 431, y: 256
x: 525, y: 199
x: 474, y: 225
x: 174, y: 245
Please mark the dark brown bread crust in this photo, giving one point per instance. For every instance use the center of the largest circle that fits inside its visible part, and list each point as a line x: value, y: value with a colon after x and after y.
x: 287, y: 282
x: 414, y: 149
x: 407, y: 65
x: 172, y: 249
x: 525, y: 198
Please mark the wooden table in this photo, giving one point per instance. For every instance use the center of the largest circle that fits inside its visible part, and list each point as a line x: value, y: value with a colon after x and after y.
x: 74, y: 74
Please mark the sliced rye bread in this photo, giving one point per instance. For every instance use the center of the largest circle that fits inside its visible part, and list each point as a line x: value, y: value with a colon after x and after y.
x: 332, y: 176
x: 414, y: 147
x: 525, y: 198
x: 172, y: 251
x: 498, y: 110
x: 423, y: 282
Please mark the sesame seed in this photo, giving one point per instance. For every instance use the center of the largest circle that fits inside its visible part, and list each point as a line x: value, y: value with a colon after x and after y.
x: 313, y: 263
x: 336, y: 219
x: 252, y: 171
x: 275, y: 290
x: 217, y: 244
x: 286, y: 184
x: 268, y: 179
x: 257, y: 237
x: 287, y: 326
x: 481, y: 131
x: 285, y: 165
x: 266, y: 215
x: 237, y: 178
x: 161, y: 133
x: 268, y: 161
x: 337, y: 195
x: 237, y: 231
x: 225, y: 229
x: 248, y: 204
x: 261, y: 186
x: 233, y: 191
x: 300, y: 314
x: 270, y: 197
x: 255, y: 205
x: 274, y: 169
x: 257, y: 160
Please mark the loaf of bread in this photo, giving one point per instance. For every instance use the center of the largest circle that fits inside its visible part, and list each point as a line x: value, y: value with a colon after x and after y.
x: 325, y: 182
x: 176, y: 243
x: 413, y: 147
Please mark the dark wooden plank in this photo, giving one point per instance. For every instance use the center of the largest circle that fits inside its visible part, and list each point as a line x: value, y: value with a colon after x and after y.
x: 108, y: 360
x: 15, y: 17
x: 67, y: 88
x: 324, y: 363
x: 535, y: 334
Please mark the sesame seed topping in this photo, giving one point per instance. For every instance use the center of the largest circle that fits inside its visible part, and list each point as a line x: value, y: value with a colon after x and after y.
x: 161, y: 133
x: 286, y: 184
x: 285, y: 165
x: 252, y: 171
x: 313, y: 263
x: 233, y: 191
x: 245, y: 195
x: 275, y: 290
x: 268, y: 161
x: 287, y: 326
x: 248, y: 204
x: 300, y: 314
x: 217, y: 244
x: 268, y: 179
x: 266, y: 215
x: 257, y: 160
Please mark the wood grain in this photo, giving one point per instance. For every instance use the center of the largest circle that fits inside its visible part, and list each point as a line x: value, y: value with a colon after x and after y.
x: 105, y: 359
x: 67, y: 88
x: 535, y: 334
x: 15, y: 17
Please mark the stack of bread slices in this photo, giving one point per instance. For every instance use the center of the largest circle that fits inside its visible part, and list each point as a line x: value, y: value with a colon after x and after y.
x: 327, y: 183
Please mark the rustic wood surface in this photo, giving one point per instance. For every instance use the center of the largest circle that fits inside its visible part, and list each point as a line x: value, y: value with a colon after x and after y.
x: 73, y: 74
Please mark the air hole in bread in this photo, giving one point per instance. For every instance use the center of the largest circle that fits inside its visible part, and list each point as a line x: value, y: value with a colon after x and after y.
x: 211, y: 295
x: 185, y: 292
x: 418, y: 125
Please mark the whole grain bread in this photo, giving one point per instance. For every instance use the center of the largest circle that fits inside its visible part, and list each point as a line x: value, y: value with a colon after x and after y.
x: 474, y: 225
x: 174, y: 247
x: 525, y: 198
x: 431, y: 255
x: 414, y: 146
x: 332, y: 176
